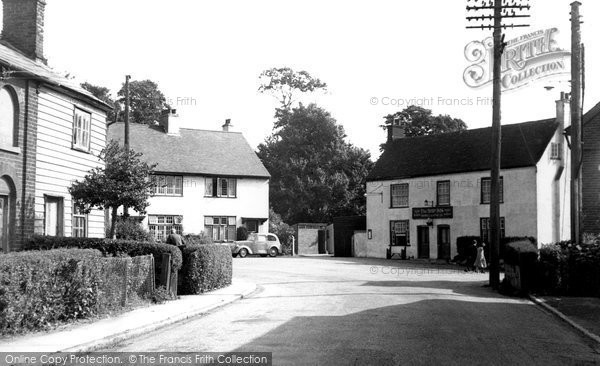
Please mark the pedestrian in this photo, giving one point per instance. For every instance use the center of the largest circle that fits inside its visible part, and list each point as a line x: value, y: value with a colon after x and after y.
x: 480, y: 262
x: 175, y: 239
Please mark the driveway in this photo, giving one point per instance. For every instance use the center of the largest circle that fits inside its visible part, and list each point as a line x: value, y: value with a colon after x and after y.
x: 350, y: 311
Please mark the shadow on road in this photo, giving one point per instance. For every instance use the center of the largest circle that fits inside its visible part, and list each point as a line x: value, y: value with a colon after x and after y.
x: 438, y: 331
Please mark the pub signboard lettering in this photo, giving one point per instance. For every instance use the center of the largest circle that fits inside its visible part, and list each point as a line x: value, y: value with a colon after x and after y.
x: 425, y: 213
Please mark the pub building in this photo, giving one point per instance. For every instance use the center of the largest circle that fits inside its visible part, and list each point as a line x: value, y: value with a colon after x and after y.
x: 425, y: 192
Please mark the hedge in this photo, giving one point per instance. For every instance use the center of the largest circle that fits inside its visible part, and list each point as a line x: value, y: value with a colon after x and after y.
x: 110, y: 247
x: 205, y: 267
x: 568, y: 269
x: 38, y: 289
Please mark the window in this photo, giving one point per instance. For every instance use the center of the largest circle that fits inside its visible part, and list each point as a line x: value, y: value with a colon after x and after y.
x: 220, y: 228
x: 82, y: 125
x: 484, y: 225
x: 399, y: 194
x: 160, y: 225
x: 443, y: 193
x: 555, y: 151
x: 8, y: 119
x: 220, y: 187
x: 400, y: 233
x: 79, y: 223
x: 271, y: 238
x: 167, y: 185
x: 486, y: 190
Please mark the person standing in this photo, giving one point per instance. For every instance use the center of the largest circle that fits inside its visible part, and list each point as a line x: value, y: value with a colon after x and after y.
x: 480, y: 262
x: 175, y: 239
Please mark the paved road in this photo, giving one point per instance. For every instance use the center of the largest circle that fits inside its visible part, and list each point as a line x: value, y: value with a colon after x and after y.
x: 334, y: 311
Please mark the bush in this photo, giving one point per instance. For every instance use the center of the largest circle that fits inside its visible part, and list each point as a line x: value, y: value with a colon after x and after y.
x: 39, y: 289
x: 283, y: 231
x: 466, y: 250
x: 205, y: 268
x: 110, y: 247
x: 191, y: 239
x: 552, y: 275
x: 130, y: 228
x: 241, y: 233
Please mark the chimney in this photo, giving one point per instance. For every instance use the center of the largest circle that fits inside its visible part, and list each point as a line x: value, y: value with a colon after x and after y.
x: 395, y: 131
x: 24, y: 26
x: 169, y: 121
x: 227, y: 125
x: 563, y: 111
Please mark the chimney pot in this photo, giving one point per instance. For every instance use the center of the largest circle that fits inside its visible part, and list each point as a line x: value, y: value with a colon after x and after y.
x: 23, y: 26
x: 226, y: 125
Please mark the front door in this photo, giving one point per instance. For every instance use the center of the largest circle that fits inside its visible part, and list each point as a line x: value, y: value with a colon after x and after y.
x: 4, y: 225
x: 53, y: 217
x: 444, y: 242
x: 423, y: 241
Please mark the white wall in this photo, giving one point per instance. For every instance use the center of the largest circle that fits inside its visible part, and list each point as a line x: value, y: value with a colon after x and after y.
x: 252, y: 201
x: 57, y: 164
x: 518, y: 209
x: 553, y: 204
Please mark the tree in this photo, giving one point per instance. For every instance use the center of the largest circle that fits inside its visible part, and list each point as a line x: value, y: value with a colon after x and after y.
x: 103, y: 94
x: 284, y: 83
x: 124, y: 181
x: 418, y: 121
x: 315, y: 174
x: 146, y: 102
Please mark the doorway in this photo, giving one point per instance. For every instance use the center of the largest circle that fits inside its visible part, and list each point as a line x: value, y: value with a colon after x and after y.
x: 423, y: 242
x: 53, y: 225
x: 444, y: 242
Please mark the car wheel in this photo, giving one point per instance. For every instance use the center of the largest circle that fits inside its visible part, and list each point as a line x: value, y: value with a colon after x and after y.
x: 273, y: 252
x: 243, y: 253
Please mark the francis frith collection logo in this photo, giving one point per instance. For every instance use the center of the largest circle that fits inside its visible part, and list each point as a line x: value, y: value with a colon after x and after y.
x: 526, y: 59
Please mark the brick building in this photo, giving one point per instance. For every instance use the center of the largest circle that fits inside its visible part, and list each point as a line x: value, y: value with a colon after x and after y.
x: 50, y: 131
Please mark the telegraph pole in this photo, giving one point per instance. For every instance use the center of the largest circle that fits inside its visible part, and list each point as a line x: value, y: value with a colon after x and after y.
x: 576, y: 133
x: 494, y: 22
x: 126, y: 140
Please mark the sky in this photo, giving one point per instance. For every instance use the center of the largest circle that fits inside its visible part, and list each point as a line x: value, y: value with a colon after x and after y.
x: 377, y: 57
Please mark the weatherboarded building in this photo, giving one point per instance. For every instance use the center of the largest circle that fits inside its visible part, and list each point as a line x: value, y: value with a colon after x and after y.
x: 425, y: 192
x: 51, y: 131
x: 591, y: 171
x: 205, y: 181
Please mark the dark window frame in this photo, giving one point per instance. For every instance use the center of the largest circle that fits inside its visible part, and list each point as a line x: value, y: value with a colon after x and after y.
x: 485, y: 221
x: 437, y: 191
x: 482, y: 196
x: 400, y: 205
x: 392, y: 232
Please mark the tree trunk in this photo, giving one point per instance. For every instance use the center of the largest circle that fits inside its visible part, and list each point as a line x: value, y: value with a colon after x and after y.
x: 113, y: 223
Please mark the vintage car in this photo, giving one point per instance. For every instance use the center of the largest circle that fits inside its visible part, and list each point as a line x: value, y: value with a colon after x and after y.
x: 257, y: 243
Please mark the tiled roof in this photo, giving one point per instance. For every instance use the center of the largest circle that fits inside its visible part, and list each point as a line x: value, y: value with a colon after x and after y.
x: 16, y: 61
x: 523, y: 145
x: 193, y: 151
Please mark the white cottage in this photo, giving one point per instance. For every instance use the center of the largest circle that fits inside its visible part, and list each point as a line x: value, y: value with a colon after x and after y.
x: 425, y: 192
x: 206, y: 181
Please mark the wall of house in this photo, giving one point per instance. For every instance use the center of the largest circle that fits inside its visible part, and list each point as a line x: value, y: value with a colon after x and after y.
x: 591, y: 176
x: 17, y: 163
x: 252, y: 201
x: 518, y: 209
x: 553, y: 197
x: 58, y: 165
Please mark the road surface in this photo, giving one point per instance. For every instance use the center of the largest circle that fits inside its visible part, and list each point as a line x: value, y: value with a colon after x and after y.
x: 350, y: 311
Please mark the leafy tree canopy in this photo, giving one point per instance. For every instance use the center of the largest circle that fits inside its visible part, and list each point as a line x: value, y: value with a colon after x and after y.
x: 315, y: 174
x: 146, y: 102
x: 419, y: 121
x: 124, y: 181
x: 285, y: 83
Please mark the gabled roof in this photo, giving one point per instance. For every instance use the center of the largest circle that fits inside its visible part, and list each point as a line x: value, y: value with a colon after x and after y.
x: 193, y: 151
x: 591, y: 114
x: 24, y: 66
x: 523, y: 145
